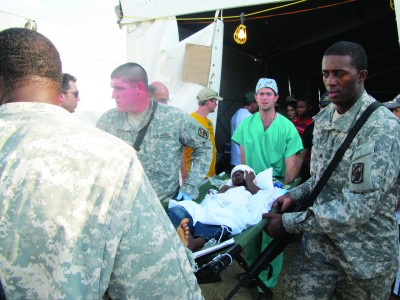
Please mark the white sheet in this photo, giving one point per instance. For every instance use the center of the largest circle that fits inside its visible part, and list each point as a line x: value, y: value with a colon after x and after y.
x: 236, y: 208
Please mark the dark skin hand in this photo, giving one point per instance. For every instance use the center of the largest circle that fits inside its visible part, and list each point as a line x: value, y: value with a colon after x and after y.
x: 275, y: 226
x: 240, y: 178
x: 249, y: 180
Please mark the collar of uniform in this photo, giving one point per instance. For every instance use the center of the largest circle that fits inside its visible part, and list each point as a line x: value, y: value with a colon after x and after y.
x: 18, y: 107
x: 347, y: 120
x: 126, y: 125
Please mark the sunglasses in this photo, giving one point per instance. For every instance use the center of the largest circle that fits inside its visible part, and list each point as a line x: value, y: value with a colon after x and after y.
x: 76, y: 94
x: 164, y: 100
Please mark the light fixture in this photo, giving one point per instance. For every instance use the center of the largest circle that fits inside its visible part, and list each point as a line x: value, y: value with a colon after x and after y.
x: 240, y: 35
x: 31, y: 24
x: 119, y: 13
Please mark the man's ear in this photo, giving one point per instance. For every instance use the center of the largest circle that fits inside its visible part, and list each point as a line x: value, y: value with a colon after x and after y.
x: 140, y: 85
x: 362, y: 75
x: 60, y: 97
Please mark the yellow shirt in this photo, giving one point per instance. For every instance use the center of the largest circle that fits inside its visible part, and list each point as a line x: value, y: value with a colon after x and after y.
x: 208, y: 125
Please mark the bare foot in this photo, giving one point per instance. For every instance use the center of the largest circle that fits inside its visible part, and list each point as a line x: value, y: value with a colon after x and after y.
x: 184, y: 232
x: 186, y: 237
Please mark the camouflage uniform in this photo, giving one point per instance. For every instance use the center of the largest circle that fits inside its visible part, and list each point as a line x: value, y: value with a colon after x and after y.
x: 78, y: 215
x: 349, y: 244
x: 161, y: 151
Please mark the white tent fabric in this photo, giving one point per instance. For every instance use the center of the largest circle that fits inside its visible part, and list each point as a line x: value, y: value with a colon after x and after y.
x: 139, y: 10
x: 145, y: 41
x: 155, y: 45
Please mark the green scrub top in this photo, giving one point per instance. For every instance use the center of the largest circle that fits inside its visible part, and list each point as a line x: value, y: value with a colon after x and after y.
x: 269, y: 148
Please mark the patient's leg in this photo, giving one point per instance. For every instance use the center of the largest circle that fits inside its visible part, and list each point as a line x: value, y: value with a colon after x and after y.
x: 177, y: 213
x: 186, y: 237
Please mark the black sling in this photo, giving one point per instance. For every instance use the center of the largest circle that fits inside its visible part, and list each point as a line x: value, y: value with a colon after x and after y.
x: 143, y: 131
x: 2, y: 294
x: 338, y: 156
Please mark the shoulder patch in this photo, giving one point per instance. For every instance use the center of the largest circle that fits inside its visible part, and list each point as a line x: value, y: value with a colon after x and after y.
x: 203, y: 133
x: 357, y: 171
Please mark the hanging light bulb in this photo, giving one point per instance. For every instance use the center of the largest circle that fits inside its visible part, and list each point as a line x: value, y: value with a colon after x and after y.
x: 240, y: 35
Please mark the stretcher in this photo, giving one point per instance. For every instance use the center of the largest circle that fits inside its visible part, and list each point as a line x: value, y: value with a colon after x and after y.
x: 212, y: 264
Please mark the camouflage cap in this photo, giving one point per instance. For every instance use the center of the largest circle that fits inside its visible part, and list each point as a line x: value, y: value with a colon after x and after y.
x: 394, y: 104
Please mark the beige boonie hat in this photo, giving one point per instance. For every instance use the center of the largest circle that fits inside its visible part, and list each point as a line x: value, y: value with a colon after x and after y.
x: 207, y: 94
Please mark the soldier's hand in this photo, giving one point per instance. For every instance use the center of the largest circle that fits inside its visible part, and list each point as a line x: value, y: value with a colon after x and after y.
x: 183, y: 196
x: 285, y: 202
x: 275, y: 226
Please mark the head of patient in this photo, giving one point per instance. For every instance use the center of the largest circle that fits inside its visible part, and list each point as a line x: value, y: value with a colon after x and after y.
x: 241, y: 175
x: 238, y: 178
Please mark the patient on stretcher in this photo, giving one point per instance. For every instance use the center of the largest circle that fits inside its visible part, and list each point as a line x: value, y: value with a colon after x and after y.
x: 236, y: 206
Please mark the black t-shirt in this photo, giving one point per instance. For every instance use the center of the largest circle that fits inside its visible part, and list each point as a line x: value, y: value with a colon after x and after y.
x: 307, y: 136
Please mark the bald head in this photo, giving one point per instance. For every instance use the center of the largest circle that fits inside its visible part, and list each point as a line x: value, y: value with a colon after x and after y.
x: 30, y: 67
x: 159, y: 91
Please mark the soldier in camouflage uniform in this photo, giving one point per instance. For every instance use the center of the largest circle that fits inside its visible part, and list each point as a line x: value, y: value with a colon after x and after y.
x: 349, y: 243
x: 78, y: 216
x: 168, y: 132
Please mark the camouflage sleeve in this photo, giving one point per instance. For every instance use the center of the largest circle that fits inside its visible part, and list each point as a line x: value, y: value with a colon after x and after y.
x: 102, y: 122
x: 150, y: 261
x: 302, y: 191
x: 368, y: 189
x: 193, y: 135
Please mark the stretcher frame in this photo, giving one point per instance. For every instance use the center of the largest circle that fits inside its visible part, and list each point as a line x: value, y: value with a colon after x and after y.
x: 212, y: 264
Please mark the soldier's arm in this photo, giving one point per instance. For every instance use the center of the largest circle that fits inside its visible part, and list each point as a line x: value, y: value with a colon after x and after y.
x: 370, y: 178
x: 106, y: 122
x: 196, y: 137
x: 101, y: 122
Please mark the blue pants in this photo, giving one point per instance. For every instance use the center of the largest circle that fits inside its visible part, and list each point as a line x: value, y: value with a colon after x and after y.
x: 178, y: 213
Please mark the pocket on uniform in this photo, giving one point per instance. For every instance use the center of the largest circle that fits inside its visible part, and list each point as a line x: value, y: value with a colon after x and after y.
x: 360, y: 169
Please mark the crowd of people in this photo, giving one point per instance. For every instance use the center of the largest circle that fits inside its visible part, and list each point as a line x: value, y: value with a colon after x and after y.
x: 81, y: 208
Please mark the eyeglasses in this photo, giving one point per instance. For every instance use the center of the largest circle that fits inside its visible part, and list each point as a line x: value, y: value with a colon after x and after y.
x: 76, y: 94
x: 164, y: 100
